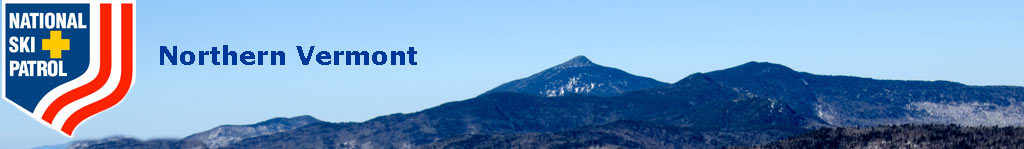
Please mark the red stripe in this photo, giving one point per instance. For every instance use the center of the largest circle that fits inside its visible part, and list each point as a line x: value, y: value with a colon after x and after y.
x: 95, y: 84
x: 126, y: 75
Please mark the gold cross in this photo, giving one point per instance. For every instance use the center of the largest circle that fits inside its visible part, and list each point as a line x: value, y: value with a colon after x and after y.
x: 55, y: 45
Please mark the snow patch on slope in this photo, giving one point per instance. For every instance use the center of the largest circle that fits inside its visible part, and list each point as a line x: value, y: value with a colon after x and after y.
x: 971, y: 113
x: 573, y: 85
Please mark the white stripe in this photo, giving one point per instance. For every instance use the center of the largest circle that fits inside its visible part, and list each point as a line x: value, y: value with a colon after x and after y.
x: 119, y: 19
x: 90, y: 73
x: 112, y: 82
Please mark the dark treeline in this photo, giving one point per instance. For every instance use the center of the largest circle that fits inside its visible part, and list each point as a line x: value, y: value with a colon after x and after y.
x: 907, y: 136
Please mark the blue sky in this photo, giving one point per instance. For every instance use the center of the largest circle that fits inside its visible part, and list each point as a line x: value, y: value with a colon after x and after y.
x: 468, y: 47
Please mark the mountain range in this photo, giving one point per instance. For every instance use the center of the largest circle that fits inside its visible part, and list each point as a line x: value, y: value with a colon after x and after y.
x: 580, y: 104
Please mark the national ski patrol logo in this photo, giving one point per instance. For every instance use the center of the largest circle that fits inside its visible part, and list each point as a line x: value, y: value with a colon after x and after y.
x: 66, y: 61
